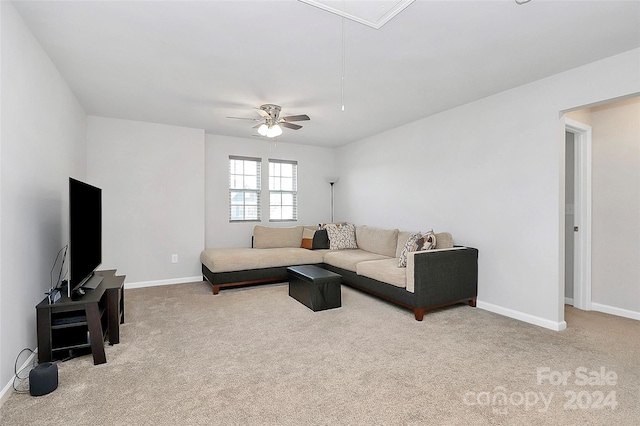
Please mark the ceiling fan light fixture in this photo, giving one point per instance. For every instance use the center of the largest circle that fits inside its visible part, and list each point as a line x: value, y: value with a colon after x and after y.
x: 273, y: 131
x: 271, y: 124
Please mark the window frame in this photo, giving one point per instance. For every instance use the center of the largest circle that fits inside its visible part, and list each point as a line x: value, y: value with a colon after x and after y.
x: 234, y: 190
x: 275, y: 188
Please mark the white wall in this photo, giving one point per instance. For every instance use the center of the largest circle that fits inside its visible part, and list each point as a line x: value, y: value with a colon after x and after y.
x: 615, y: 279
x: 42, y: 143
x: 152, y: 180
x: 492, y: 173
x: 315, y: 164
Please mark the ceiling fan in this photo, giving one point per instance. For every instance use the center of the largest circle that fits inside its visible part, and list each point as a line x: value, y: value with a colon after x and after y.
x: 271, y: 124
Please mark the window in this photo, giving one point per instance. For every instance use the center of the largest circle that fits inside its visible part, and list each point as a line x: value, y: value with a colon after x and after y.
x: 283, y: 188
x: 244, y: 189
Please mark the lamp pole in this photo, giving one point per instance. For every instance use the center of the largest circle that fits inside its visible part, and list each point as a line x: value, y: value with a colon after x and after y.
x: 332, y: 181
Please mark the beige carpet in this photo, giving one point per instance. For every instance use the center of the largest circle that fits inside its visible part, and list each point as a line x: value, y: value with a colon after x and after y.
x: 255, y: 356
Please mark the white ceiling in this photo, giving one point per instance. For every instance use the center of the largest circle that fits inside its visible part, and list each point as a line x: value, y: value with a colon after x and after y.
x: 195, y: 63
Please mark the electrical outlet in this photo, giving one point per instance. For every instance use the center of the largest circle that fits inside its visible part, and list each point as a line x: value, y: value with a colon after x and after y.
x: 174, y: 258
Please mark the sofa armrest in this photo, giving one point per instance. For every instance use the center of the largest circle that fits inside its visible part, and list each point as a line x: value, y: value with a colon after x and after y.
x: 443, y: 276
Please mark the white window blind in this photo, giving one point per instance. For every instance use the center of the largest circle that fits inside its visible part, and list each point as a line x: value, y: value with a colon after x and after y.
x: 283, y: 190
x: 244, y: 189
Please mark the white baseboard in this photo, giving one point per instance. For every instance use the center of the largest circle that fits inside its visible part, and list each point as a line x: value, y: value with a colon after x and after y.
x: 141, y: 284
x: 521, y: 316
x: 568, y: 301
x: 8, y: 389
x: 615, y: 311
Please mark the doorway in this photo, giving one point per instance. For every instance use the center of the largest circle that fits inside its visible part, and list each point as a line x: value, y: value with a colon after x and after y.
x: 569, y: 217
x: 578, y: 214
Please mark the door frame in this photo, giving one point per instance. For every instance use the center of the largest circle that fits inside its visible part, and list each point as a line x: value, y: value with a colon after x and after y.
x: 582, y: 187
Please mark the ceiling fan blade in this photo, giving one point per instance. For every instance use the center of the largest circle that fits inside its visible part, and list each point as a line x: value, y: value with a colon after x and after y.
x: 258, y: 125
x: 263, y: 113
x: 303, y: 117
x: 289, y: 125
x: 245, y: 118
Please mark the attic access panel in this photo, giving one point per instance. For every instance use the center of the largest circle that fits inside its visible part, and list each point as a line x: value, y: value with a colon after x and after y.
x: 373, y: 14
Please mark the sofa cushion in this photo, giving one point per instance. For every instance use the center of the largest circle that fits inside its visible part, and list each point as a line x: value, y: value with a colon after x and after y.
x: 348, y: 259
x: 385, y: 270
x: 444, y: 240
x: 272, y: 237
x: 242, y: 259
x: 376, y: 240
x: 341, y: 236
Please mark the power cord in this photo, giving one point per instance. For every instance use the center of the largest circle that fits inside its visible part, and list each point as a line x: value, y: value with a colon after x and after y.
x: 21, y: 383
x: 55, y: 262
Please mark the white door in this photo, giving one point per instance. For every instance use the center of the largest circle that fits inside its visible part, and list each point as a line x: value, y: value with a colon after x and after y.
x: 578, y: 217
x: 569, y: 218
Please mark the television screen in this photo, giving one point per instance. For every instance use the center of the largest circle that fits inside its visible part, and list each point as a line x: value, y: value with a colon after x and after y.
x: 85, y: 232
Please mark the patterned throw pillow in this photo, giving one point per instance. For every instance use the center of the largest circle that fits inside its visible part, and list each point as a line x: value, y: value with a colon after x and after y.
x: 415, y: 240
x: 324, y: 225
x: 341, y: 236
x: 428, y: 241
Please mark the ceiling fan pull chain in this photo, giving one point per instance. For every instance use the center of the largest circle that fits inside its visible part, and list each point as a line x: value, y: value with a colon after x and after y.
x: 343, y: 66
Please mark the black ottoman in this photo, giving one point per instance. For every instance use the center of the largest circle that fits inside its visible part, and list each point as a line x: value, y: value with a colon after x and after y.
x: 314, y: 287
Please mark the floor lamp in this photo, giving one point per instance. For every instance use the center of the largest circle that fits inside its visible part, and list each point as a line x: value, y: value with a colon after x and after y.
x: 332, y: 181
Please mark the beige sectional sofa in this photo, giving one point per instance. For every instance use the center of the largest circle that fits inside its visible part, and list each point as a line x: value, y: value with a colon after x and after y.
x: 434, y: 278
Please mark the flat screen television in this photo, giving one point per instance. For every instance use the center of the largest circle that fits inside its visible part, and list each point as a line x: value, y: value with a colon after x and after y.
x: 85, y: 236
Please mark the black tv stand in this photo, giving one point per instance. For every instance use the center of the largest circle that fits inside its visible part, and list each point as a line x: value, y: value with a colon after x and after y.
x: 77, y: 294
x: 70, y: 326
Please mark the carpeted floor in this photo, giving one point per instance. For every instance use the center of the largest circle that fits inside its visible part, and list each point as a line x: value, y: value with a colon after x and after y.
x: 255, y: 356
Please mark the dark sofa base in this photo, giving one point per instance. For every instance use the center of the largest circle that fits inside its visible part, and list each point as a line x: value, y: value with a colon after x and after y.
x: 396, y: 295
x: 441, y: 279
x: 417, y: 312
x: 242, y: 278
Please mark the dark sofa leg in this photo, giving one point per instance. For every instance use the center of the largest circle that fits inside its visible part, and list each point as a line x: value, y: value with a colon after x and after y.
x: 472, y: 302
x: 419, y: 314
x: 216, y: 289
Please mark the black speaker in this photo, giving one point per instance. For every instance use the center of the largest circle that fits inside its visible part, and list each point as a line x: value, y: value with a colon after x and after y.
x: 43, y: 379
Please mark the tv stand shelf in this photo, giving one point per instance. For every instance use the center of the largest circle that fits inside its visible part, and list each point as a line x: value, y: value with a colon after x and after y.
x: 87, y: 322
x: 63, y: 321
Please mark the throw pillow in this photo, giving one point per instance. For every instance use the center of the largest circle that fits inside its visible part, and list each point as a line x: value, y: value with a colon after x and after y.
x: 342, y: 236
x: 324, y: 225
x: 320, y: 240
x: 415, y: 240
x: 307, y: 238
x: 428, y: 241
